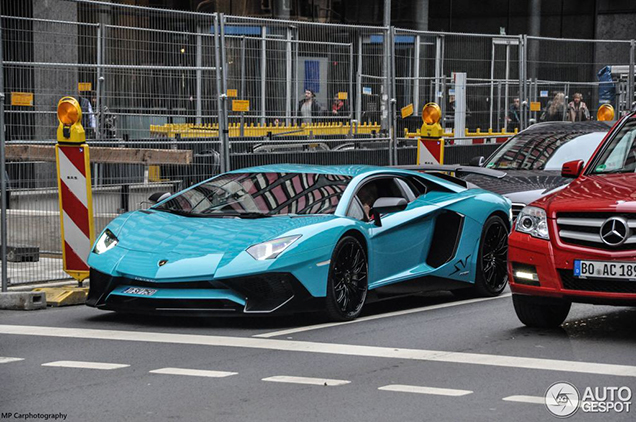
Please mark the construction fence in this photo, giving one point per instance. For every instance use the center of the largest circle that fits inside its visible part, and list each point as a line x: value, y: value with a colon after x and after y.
x: 231, y: 91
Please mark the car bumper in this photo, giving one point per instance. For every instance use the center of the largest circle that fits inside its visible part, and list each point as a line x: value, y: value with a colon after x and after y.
x: 259, y: 294
x: 552, y: 271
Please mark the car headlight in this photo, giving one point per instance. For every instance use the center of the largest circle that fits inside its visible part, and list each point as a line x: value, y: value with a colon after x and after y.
x: 272, y: 248
x: 106, y: 241
x: 533, y: 221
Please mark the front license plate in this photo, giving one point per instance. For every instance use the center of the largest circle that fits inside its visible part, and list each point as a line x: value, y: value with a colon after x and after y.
x: 621, y: 270
x: 140, y: 291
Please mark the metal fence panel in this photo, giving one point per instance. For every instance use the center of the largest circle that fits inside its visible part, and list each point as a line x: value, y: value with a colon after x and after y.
x: 229, y: 90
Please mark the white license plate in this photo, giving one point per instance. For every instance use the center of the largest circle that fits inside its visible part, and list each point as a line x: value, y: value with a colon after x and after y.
x: 602, y: 269
x: 140, y: 291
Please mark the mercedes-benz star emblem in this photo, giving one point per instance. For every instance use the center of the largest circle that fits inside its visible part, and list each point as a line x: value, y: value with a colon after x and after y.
x: 163, y: 262
x: 615, y: 231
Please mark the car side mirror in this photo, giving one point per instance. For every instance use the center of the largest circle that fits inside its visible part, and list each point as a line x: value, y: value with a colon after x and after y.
x: 572, y: 169
x: 157, y: 197
x: 478, y: 161
x: 385, y: 206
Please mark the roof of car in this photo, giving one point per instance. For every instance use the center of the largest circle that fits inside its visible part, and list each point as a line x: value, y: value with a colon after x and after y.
x: 345, y: 170
x: 580, y: 127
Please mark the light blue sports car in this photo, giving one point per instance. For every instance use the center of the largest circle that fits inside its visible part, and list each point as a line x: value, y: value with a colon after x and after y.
x: 284, y: 238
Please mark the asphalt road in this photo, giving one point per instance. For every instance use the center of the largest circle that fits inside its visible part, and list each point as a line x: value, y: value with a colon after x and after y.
x: 425, y: 358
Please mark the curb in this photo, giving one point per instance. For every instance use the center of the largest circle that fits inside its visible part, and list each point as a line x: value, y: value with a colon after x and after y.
x: 24, y: 301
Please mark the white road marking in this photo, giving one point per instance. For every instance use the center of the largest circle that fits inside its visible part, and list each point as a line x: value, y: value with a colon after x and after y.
x: 525, y: 399
x: 193, y: 372
x: 380, y: 316
x: 425, y: 390
x: 326, y: 348
x: 305, y: 380
x: 9, y: 360
x: 85, y: 365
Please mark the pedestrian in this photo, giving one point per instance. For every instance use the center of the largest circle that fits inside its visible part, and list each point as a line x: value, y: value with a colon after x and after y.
x: 88, y: 117
x: 577, y: 109
x: 555, y: 109
x: 512, y: 118
x: 338, y: 106
x: 309, y: 107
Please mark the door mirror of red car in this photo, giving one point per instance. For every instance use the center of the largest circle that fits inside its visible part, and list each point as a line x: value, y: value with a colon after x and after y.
x: 572, y: 169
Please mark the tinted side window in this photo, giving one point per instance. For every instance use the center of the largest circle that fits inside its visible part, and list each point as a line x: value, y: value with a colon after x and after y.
x: 356, y: 211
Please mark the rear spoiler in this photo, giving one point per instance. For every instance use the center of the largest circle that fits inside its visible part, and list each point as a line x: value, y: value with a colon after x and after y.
x: 452, y: 168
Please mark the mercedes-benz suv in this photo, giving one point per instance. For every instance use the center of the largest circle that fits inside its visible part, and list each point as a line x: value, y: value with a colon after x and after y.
x: 579, y: 244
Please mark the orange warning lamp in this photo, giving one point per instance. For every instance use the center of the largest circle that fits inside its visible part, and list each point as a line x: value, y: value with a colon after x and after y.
x: 431, y: 115
x: 69, y: 113
x: 605, y: 113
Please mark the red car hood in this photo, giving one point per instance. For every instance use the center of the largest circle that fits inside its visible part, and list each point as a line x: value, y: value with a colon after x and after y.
x: 608, y: 193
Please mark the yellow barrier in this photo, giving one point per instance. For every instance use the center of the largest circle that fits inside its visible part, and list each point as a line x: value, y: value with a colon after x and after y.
x: 478, y: 133
x: 189, y: 130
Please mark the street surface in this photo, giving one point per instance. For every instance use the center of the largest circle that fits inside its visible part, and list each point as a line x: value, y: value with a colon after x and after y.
x: 423, y: 358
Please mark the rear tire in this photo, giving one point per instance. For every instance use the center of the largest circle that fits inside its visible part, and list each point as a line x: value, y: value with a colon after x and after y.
x: 347, y: 284
x: 534, y: 313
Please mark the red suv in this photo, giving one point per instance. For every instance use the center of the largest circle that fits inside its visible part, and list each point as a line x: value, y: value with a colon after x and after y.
x: 579, y: 244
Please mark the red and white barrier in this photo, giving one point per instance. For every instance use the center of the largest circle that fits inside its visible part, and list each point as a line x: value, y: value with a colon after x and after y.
x: 76, y: 207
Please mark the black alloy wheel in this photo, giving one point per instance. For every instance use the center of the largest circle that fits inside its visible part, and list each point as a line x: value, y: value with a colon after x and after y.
x: 348, y: 280
x: 492, y: 267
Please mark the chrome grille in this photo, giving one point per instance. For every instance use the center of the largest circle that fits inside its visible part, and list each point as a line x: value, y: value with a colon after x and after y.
x: 585, y: 229
x: 516, y: 209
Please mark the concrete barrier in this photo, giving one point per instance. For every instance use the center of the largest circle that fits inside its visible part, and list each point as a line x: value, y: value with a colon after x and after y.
x: 23, y: 301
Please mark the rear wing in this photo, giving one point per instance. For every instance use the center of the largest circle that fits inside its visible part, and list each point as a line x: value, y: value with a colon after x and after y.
x: 443, y: 172
x: 457, y: 169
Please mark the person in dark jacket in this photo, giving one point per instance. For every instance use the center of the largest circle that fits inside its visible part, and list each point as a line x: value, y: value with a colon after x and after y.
x: 513, y: 116
x: 309, y: 108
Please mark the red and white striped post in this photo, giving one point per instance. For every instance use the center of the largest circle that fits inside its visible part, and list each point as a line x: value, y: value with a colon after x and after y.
x: 74, y: 186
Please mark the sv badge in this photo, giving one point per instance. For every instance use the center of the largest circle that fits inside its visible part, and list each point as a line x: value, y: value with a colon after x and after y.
x: 460, y: 265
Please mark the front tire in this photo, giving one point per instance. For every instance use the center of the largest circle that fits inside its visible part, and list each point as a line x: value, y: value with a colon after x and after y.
x: 537, y: 314
x: 492, y: 263
x: 347, y: 284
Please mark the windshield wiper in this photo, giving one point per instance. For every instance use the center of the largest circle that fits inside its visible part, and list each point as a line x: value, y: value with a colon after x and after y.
x: 251, y: 215
x: 177, y: 212
x: 232, y: 214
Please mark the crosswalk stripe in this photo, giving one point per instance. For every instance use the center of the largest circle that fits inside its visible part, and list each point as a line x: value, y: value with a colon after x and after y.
x: 328, y: 348
x: 425, y: 390
x: 9, y: 360
x: 525, y: 399
x: 306, y: 380
x: 84, y: 365
x: 193, y: 372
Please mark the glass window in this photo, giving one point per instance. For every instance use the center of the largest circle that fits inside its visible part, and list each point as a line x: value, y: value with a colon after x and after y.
x: 378, y: 188
x: 619, y: 156
x: 261, y: 194
x: 580, y: 148
x: 544, y: 151
x: 356, y: 211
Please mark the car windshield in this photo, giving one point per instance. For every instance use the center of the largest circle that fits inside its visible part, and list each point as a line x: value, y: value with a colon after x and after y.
x: 619, y: 155
x: 545, y: 151
x: 253, y: 195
